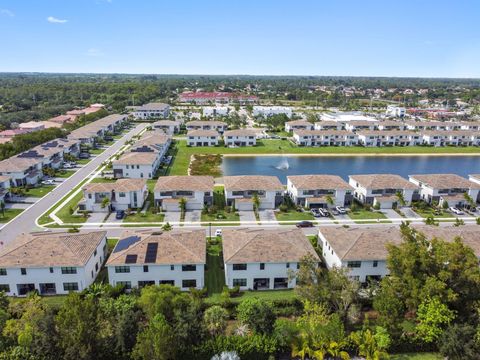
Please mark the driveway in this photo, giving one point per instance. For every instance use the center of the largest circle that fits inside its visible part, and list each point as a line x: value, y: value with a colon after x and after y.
x: 409, y: 213
x: 112, y: 219
x: 95, y: 217
x: 193, y: 215
x: 25, y: 222
x: 268, y: 217
x: 391, y: 214
x: 247, y: 216
x: 172, y: 216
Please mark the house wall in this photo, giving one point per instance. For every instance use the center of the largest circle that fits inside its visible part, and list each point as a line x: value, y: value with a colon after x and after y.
x: 268, y: 201
x: 237, y: 140
x: 299, y: 198
x: 158, y: 273
x: 271, y: 271
x: 193, y: 203
x: 85, y: 275
x: 143, y: 171
x: 203, y: 140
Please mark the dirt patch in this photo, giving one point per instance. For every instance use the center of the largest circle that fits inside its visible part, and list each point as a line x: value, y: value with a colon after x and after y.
x: 208, y: 164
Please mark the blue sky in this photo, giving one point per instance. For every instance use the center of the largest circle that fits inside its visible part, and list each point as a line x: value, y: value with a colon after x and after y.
x: 273, y: 37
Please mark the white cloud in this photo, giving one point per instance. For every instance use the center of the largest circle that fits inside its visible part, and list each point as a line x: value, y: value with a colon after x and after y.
x: 94, y: 52
x: 7, y: 12
x: 54, y: 20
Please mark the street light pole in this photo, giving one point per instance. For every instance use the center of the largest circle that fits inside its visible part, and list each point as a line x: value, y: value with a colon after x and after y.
x: 210, y: 229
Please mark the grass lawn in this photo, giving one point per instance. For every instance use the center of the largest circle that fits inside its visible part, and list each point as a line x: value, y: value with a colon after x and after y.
x: 9, y: 215
x: 267, y: 295
x: 64, y: 212
x: 82, y: 161
x: 39, y: 191
x: 147, y: 217
x: 274, y: 146
x: 102, y: 180
x: 97, y: 151
x: 363, y: 214
x: 430, y: 212
x: 56, y: 300
x: 231, y: 217
x: 293, y: 215
x: 64, y: 173
x: 214, y: 275
x: 416, y: 356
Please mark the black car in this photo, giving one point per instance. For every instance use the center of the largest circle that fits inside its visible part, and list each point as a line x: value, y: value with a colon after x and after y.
x: 304, y: 224
x: 120, y: 214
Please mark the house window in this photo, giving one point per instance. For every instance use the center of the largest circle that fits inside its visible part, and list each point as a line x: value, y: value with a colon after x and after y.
x: 23, y: 271
x: 96, y: 267
x: 145, y: 268
x: 375, y: 263
x: 262, y: 266
x: 287, y: 265
x: 122, y: 269
x: 95, y: 252
x: 89, y: 196
x: 127, y: 285
x: 127, y: 167
x: 239, y: 266
x: 172, y: 267
x: 3, y: 271
x: 70, y: 286
x: 51, y: 270
x: 69, y: 270
x: 354, y: 264
x: 189, y: 283
x: 240, y: 282
x: 5, y: 287
x: 142, y: 284
x: 189, y: 268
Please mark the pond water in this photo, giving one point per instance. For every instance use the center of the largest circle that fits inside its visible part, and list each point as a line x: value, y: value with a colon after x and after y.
x: 281, y: 166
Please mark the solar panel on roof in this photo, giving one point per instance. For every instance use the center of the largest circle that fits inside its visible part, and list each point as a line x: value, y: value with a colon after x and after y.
x: 143, y: 148
x: 30, y: 154
x: 151, y: 253
x: 131, y: 259
x: 126, y: 243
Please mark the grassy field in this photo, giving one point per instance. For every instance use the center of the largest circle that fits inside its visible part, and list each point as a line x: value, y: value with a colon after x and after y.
x: 430, y: 212
x: 362, y: 214
x: 9, y: 215
x: 182, y: 158
x: 231, y: 217
x: 64, y: 173
x: 147, y: 217
x: 293, y: 215
x: 416, y: 356
x: 39, y: 191
x: 267, y: 295
x: 214, y: 274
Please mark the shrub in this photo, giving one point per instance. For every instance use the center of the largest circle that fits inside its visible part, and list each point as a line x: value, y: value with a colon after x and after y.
x: 283, y: 208
x: 258, y: 315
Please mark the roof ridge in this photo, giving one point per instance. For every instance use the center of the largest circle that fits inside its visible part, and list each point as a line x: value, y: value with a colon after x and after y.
x: 352, y: 245
x: 186, y: 248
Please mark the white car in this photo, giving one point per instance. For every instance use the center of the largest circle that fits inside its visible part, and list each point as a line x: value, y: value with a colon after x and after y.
x: 67, y: 166
x: 341, y: 210
x: 218, y: 232
x: 456, y: 211
x: 48, y: 182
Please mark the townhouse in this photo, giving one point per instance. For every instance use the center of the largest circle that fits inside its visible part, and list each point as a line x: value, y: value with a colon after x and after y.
x: 395, y: 111
x: 62, y: 119
x: 325, y: 138
x: 31, y: 126
x: 361, y: 125
x: 143, y: 258
x: 241, y: 190
x: 476, y: 179
x: 202, y: 138
x: 219, y: 126
x: 170, y: 127
x: 202, y: 97
x: 22, y: 171
x: 345, y: 117
x: 329, y: 125
x: 122, y: 194
x: 240, y: 137
x: 144, y: 157
x: 391, y: 125
x: 383, y: 190
x: 267, y: 111
x: 450, y: 188
x: 51, y: 263
x: 4, y: 187
x: 298, y: 125
x: 197, y: 191
x: 470, y: 125
x: 389, y: 138
x: 152, y: 110
x: 363, y: 250
x: 213, y: 111
x: 259, y: 259
x: 90, y: 133
x: 313, y: 191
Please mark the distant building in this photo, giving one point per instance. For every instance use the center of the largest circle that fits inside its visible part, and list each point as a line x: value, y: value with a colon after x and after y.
x: 152, y: 111
x: 395, y: 111
x: 202, y: 138
x: 268, y: 111
x: 196, y: 190
x: 240, y: 137
x: 202, y: 97
x: 31, y: 126
x: 216, y: 111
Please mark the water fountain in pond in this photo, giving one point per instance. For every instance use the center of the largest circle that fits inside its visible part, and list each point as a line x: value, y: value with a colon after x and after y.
x: 283, y: 165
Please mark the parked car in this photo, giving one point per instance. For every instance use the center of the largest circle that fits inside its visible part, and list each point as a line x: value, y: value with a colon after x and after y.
x: 456, y: 211
x: 341, y: 210
x: 304, y: 224
x: 218, y: 232
x: 48, y: 182
x: 120, y: 214
x: 315, y: 212
x: 84, y: 155
x: 68, y: 166
x: 325, y: 213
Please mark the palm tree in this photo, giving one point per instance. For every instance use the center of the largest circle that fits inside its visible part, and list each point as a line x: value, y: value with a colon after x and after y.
x: 256, y: 202
x: 401, y: 198
x: 330, y: 200
x: 182, y: 203
x: 105, y: 202
x: 469, y: 200
x: 2, y: 207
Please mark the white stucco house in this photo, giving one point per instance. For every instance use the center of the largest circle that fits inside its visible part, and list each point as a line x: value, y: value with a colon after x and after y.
x: 382, y: 189
x: 51, y: 263
x: 152, y: 111
x: 313, y: 191
x: 325, y: 138
x: 5, y: 184
x: 202, y: 138
x: 267, y: 111
x: 143, y: 258
x: 219, y: 126
x: 196, y: 190
x: 259, y: 259
x: 122, y: 194
x: 445, y: 187
x: 170, y: 127
x: 240, y: 191
x: 240, y: 137
x: 298, y: 125
x: 329, y: 125
x: 213, y: 111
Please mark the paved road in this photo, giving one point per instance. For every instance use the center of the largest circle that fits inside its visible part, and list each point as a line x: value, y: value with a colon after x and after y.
x: 25, y: 222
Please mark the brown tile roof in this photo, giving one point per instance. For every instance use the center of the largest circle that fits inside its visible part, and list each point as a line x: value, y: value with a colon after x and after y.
x: 383, y: 181
x: 202, y: 133
x: 260, y: 245
x: 205, y: 122
x: 166, y: 123
x: 252, y: 182
x: 134, y: 158
x: 174, y: 247
x: 184, y: 183
x: 51, y: 249
x: 445, y: 181
x: 299, y: 123
x: 369, y: 243
x: 153, y: 106
x: 323, y: 133
x: 319, y: 182
x: 121, y: 185
x: 240, y: 132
